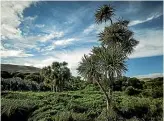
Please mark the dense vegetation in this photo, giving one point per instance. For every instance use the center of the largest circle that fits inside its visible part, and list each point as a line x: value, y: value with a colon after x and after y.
x: 133, y: 100
x: 86, y: 104
x: 103, y: 94
x: 56, y: 77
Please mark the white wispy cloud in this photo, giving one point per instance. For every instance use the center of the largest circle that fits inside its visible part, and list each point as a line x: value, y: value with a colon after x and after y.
x: 100, y: 27
x: 135, y: 22
x: 40, y: 25
x: 29, y: 42
x: 71, y: 57
x: 97, y: 28
x: 14, y: 53
x: 64, y: 42
x: 45, y: 50
x: 89, y: 29
x: 51, y: 36
x: 30, y: 18
x: 150, y: 43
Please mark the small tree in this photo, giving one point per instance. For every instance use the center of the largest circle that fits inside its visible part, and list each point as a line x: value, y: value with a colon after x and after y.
x: 56, y: 75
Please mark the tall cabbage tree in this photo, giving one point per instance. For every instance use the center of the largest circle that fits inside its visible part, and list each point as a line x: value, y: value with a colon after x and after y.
x: 107, y: 63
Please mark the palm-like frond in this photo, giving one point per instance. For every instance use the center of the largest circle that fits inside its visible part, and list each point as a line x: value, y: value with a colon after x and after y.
x: 111, y: 60
x: 103, y: 62
x: 104, y: 13
x: 118, y: 33
x: 87, y: 67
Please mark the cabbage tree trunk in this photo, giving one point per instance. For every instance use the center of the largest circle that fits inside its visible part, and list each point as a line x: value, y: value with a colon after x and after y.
x: 53, y: 88
x: 106, y: 95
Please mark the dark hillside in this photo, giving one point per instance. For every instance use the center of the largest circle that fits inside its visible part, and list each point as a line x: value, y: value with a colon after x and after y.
x: 19, y: 68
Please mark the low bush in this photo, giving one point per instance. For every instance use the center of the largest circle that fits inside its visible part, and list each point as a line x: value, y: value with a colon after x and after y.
x: 146, y: 108
x: 132, y: 91
x: 18, y: 84
x: 88, y: 104
x: 15, y: 110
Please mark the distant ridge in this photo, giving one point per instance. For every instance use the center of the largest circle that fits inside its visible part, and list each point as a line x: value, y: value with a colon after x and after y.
x: 148, y: 76
x: 19, y: 68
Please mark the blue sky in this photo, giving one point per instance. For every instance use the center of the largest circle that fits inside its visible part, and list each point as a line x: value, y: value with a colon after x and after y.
x: 38, y: 33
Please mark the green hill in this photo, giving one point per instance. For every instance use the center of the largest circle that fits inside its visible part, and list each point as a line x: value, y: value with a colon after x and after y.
x: 19, y: 68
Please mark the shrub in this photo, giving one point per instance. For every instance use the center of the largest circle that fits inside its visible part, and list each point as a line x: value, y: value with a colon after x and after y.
x: 117, y: 85
x: 91, y: 87
x: 43, y: 87
x: 146, y: 108
x: 5, y: 74
x: 153, y: 88
x: 75, y: 83
x: 81, y: 105
x: 19, y: 74
x: 132, y: 91
x: 34, y: 77
x: 19, y: 84
x: 154, y: 83
x: 14, y: 110
x: 136, y: 83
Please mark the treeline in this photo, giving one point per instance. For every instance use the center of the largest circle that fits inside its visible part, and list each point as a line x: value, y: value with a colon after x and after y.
x: 133, y: 86
x: 56, y: 77
x: 19, y: 84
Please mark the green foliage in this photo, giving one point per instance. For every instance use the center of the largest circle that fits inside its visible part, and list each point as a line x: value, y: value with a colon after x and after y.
x: 19, y: 74
x: 134, y: 82
x: 132, y: 91
x: 18, y: 84
x: 75, y: 83
x: 146, y: 108
x: 91, y: 87
x: 56, y: 75
x: 125, y: 82
x: 154, y: 83
x: 5, y: 74
x: 117, y: 85
x: 104, y: 14
x: 153, y: 88
x: 34, y: 77
x: 16, y: 110
x: 53, y: 105
x: 83, y: 105
x: 132, y: 100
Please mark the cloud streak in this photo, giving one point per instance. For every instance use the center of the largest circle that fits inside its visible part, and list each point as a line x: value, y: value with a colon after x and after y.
x: 50, y: 36
x: 150, y: 43
x: 64, y: 42
x: 14, y: 53
x: 135, y: 22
